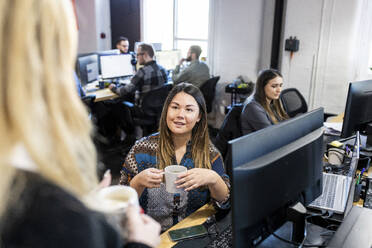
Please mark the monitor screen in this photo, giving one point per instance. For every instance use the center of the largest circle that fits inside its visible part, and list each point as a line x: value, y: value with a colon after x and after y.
x: 109, y: 52
x: 168, y: 59
x: 272, y: 169
x: 87, y: 68
x: 358, y: 110
x: 114, y: 66
x: 156, y: 46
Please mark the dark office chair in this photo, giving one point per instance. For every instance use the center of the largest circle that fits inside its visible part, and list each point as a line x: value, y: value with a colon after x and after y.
x: 209, y: 90
x: 88, y: 100
x: 147, y: 115
x: 293, y: 102
x: 89, y: 103
x: 230, y: 129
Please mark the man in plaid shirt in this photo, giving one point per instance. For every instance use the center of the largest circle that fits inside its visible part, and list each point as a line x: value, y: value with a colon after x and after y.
x: 149, y: 77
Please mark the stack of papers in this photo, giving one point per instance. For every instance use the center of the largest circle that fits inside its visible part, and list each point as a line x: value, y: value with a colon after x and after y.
x: 333, y: 128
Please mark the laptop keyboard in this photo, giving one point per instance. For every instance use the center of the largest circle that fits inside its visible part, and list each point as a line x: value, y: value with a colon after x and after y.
x: 327, y: 199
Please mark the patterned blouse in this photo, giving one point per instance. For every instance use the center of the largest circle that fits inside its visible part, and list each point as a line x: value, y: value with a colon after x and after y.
x: 168, y: 208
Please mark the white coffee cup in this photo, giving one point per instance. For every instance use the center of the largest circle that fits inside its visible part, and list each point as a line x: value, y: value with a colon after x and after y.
x: 171, y: 173
x: 113, y: 202
x: 115, y: 199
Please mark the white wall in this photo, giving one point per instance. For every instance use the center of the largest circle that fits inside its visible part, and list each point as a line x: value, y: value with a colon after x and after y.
x: 329, y: 32
x: 93, y: 18
x: 237, y: 45
x: 237, y: 38
x: 103, y: 24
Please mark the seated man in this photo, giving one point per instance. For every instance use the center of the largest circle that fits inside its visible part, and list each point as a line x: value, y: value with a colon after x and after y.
x: 122, y: 43
x: 196, y: 73
x: 149, y: 77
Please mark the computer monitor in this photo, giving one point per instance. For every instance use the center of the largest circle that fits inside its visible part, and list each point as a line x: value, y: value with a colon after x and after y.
x: 168, y: 59
x: 114, y: 66
x: 109, y: 52
x: 271, y: 170
x: 358, y: 110
x: 87, y: 68
x: 157, y: 46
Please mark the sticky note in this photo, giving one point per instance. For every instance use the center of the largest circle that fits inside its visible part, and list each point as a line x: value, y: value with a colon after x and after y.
x: 336, y: 143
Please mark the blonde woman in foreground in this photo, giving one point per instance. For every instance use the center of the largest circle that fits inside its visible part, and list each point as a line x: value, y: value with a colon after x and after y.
x: 47, y: 158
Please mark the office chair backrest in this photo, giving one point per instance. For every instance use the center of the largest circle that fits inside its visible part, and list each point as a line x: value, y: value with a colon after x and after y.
x: 209, y: 90
x: 153, y: 101
x: 230, y: 129
x: 293, y: 102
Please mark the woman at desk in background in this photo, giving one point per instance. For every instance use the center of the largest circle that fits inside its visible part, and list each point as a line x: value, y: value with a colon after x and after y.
x: 47, y: 158
x: 265, y: 109
x: 182, y: 139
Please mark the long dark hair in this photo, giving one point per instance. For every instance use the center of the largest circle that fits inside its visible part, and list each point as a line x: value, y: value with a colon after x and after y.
x: 200, y: 137
x: 263, y: 78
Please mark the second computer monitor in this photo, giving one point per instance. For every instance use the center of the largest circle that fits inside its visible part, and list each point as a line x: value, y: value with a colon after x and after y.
x: 87, y: 68
x: 272, y: 169
x: 358, y: 110
x: 168, y: 59
x: 114, y: 66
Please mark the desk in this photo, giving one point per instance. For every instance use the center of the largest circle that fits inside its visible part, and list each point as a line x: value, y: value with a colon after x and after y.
x: 196, y: 218
x: 234, y: 90
x: 338, y: 118
x: 103, y: 95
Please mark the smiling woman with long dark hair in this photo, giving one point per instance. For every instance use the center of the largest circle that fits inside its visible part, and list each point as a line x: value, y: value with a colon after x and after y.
x: 182, y: 139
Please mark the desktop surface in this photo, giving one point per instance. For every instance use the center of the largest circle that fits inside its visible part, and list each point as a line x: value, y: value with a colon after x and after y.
x: 355, y: 231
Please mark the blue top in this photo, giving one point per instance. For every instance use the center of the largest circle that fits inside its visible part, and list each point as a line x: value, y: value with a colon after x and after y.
x: 167, y: 208
x: 80, y: 90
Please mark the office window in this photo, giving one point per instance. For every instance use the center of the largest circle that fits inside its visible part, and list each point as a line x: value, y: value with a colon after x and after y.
x: 177, y: 24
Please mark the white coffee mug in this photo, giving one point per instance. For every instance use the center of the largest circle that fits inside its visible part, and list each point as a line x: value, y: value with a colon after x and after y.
x: 171, y: 173
x: 113, y: 201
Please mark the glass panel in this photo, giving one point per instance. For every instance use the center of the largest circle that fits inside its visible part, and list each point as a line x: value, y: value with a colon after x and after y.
x: 192, y: 19
x: 184, y: 46
x: 158, y: 22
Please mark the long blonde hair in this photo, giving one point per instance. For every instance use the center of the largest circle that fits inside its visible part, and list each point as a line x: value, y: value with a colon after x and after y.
x: 200, y: 142
x: 39, y: 105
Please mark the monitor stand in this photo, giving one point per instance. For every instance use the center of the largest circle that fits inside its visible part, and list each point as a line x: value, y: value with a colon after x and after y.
x: 296, y: 214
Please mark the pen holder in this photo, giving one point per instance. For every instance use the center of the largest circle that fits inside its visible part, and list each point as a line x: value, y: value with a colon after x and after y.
x: 101, y: 84
x: 358, y: 189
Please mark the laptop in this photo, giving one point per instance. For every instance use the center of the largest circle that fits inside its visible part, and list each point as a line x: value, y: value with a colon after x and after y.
x: 336, y: 188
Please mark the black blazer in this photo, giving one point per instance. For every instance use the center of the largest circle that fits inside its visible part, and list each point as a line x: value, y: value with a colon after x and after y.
x: 45, y: 215
x: 254, y: 117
